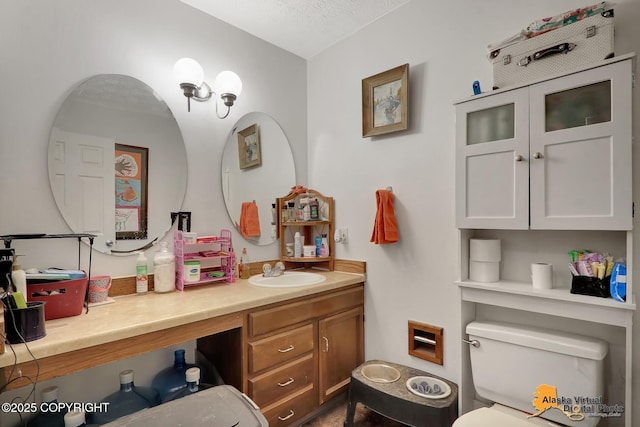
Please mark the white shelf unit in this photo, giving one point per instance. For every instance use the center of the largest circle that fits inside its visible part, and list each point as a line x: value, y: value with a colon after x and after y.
x: 496, y: 199
x: 223, y: 260
x: 556, y: 308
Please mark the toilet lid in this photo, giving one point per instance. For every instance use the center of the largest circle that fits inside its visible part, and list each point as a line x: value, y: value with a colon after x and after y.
x: 499, y: 416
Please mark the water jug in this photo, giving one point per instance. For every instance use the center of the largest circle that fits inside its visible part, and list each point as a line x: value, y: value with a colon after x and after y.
x: 193, y: 385
x: 172, y: 379
x: 51, y: 417
x: 127, y: 400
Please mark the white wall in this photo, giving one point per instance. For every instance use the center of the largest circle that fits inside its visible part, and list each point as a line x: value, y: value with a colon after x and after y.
x: 445, y: 46
x: 50, y: 47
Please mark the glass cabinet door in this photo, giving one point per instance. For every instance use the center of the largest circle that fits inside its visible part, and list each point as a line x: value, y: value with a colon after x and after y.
x: 491, y: 124
x: 580, y: 106
x: 580, y: 147
x: 492, y: 168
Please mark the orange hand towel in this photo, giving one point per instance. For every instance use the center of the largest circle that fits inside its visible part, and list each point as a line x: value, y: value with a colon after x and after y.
x: 385, y: 228
x: 249, y: 221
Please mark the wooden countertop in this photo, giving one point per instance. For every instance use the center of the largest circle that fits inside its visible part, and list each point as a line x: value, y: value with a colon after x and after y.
x: 142, y: 322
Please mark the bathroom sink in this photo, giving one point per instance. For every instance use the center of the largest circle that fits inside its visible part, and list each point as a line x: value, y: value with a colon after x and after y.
x: 288, y: 279
x: 429, y: 387
x: 380, y: 373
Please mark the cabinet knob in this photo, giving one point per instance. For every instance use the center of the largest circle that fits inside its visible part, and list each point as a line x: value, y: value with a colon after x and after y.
x: 109, y: 243
x: 537, y: 155
x: 518, y: 158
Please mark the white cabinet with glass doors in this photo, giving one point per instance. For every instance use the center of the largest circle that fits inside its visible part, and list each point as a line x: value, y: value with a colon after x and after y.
x: 552, y: 155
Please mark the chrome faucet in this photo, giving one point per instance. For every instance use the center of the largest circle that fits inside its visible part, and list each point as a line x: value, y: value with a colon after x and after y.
x: 277, y: 270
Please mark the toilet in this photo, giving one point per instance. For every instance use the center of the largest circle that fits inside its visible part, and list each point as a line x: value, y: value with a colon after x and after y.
x: 511, y: 362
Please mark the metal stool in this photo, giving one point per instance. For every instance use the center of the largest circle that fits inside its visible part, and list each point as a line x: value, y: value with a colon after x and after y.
x: 395, y: 401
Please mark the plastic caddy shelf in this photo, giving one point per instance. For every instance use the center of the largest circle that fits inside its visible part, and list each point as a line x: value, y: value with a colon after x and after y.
x: 221, y: 406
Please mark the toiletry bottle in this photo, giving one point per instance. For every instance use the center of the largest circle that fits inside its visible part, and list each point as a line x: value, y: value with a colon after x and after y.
x: 297, y: 245
x: 164, y: 270
x: 306, y: 212
x: 324, y: 246
x: 142, y: 283
x: 318, y: 242
x: 19, y: 277
x: 291, y: 208
x: 273, y: 213
x: 314, y: 210
x: 245, y: 272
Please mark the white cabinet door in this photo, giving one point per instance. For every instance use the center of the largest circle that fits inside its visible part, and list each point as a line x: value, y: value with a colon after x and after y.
x: 492, y: 161
x: 580, y: 145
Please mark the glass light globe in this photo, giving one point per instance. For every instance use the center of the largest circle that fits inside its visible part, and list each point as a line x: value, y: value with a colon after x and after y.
x: 188, y: 70
x: 228, y: 82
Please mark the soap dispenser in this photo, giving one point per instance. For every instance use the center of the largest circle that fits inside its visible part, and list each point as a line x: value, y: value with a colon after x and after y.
x: 19, y: 277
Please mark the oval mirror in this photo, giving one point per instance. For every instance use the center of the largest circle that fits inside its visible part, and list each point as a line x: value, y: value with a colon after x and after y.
x: 117, y: 163
x: 257, y: 167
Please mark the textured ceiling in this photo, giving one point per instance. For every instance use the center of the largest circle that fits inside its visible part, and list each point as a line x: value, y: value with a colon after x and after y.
x: 303, y: 27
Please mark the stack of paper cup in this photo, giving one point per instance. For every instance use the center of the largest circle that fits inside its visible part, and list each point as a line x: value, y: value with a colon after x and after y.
x: 484, y: 260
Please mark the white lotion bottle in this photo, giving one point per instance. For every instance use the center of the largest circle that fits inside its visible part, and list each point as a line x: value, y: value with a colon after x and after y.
x: 297, y: 245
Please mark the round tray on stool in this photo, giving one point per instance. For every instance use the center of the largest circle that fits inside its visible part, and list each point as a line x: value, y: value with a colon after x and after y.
x: 394, y: 400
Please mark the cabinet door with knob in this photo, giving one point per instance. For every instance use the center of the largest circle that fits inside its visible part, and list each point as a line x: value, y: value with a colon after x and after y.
x: 492, y: 161
x: 552, y: 155
x: 341, y: 349
x: 580, y: 144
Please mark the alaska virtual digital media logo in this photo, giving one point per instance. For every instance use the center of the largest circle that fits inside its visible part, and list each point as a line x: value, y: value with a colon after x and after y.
x: 575, y: 407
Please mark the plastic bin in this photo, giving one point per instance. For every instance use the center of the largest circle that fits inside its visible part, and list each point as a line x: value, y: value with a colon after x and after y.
x: 64, y: 298
x: 221, y: 406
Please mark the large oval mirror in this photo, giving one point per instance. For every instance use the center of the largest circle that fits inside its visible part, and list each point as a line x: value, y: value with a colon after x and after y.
x: 257, y: 167
x: 117, y: 163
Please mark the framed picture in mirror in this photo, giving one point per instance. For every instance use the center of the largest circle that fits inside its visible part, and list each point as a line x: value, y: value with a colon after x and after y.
x: 249, y: 147
x: 385, y: 102
x: 131, y: 173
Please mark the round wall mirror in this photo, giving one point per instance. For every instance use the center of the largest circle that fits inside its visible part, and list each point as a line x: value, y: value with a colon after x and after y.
x: 257, y: 167
x: 117, y: 163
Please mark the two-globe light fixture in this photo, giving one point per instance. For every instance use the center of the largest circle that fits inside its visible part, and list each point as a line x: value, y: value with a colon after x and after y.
x: 190, y: 76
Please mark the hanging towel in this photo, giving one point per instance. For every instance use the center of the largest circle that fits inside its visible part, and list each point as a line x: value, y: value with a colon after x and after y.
x: 385, y: 228
x: 249, y: 221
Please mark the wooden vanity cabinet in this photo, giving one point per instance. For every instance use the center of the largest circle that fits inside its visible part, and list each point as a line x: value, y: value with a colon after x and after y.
x: 301, y: 353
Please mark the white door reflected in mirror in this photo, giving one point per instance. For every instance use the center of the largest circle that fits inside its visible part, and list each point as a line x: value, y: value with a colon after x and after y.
x: 105, y: 113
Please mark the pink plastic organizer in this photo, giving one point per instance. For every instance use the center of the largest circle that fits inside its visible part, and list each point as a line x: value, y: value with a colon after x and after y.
x: 214, y: 252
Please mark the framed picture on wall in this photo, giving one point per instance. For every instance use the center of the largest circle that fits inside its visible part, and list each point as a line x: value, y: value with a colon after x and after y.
x: 131, y: 173
x: 385, y: 105
x: 249, y: 147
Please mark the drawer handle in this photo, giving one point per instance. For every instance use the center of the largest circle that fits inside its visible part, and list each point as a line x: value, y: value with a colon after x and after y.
x: 286, y: 383
x: 286, y: 350
x: 326, y: 344
x: 291, y: 414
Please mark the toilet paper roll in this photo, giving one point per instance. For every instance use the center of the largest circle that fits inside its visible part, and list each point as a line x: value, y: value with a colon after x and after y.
x: 485, y: 250
x: 542, y: 275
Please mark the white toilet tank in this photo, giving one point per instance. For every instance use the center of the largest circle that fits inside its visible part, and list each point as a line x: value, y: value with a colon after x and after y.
x: 512, y: 361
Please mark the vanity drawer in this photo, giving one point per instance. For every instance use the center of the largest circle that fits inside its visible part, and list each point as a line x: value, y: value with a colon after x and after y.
x: 280, y: 348
x: 264, y: 321
x: 278, y: 383
x: 287, y: 412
